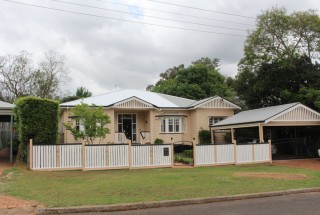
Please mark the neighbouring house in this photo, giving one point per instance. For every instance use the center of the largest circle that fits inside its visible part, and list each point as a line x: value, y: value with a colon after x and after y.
x: 142, y: 117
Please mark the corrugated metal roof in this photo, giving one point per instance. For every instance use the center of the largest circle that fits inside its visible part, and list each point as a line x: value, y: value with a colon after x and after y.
x: 156, y: 99
x: 256, y: 115
x: 6, y: 106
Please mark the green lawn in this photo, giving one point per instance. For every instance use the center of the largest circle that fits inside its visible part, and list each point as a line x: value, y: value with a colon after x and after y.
x: 74, y: 188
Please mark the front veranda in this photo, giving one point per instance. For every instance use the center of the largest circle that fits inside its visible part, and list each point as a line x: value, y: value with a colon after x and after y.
x: 133, y: 126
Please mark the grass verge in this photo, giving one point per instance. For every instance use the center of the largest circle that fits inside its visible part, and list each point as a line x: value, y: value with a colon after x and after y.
x: 76, y: 188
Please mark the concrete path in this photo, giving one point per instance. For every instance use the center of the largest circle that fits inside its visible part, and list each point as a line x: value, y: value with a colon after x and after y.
x: 313, y: 164
x: 306, y: 204
x: 11, y: 205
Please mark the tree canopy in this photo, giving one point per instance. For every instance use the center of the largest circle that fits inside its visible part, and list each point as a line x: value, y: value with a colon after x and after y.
x: 200, y: 80
x: 93, y: 121
x: 19, y: 77
x: 81, y: 92
x: 282, y: 36
x: 280, y: 62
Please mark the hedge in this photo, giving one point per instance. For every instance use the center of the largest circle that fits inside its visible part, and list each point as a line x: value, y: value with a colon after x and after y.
x: 204, y: 136
x: 37, y: 119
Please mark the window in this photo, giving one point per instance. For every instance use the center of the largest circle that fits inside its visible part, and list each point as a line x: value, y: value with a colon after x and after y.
x: 215, y: 119
x: 172, y: 125
x: 79, y: 125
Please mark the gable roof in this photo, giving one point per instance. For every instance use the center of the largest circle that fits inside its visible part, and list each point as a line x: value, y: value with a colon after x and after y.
x: 150, y: 99
x: 256, y: 115
x: 6, y: 106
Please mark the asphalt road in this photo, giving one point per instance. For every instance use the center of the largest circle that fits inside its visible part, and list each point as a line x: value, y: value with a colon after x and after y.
x: 299, y: 204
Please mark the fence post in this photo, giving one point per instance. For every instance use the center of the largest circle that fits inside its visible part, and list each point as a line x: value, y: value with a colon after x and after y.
x: 107, y: 156
x: 151, y: 154
x: 194, y: 155
x: 172, y: 155
x: 215, y: 153
x: 235, y: 151
x: 83, y: 156
x: 58, y: 164
x: 130, y: 155
x: 31, y: 154
x: 253, y: 159
x: 270, y: 151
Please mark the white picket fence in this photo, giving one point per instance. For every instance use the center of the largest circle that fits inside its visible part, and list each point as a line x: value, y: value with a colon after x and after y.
x: 122, y: 156
x: 113, y: 156
x: 224, y: 154
x: 57, y: 156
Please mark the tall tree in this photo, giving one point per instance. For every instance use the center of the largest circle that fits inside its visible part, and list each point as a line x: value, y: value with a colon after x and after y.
x: 200, y: 80
x: 281, y: 82
x: 282, y: 36
x: 19, y: 77
x: 52, y: 72
x: 16, y: 75
x: 280, y: 62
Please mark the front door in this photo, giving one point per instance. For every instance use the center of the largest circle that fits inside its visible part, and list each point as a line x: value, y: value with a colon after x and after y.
x: 127, y: 124
x: 127, y: 128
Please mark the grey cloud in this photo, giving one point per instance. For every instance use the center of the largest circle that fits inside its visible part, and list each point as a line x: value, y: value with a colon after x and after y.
x: 103, y: 53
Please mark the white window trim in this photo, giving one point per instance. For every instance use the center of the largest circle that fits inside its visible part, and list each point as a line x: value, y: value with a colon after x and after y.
x: 80, y: 124
x: 215, y: 117
x: 182, y: 125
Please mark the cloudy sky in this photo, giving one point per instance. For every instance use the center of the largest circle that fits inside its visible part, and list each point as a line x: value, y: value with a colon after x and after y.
x: 106, y: 44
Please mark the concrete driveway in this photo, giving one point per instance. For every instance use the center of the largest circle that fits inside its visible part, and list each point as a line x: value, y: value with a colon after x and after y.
x: 313, y: 164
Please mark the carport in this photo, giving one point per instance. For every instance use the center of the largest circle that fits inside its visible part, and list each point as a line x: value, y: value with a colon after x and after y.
x: 6, y: 126
x: 265, y: 120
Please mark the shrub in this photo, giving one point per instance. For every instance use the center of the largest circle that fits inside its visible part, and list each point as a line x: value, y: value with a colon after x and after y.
x: 36, y: 118
x: 204, y: 136
x: 188, y: 153
x: 158, y: 141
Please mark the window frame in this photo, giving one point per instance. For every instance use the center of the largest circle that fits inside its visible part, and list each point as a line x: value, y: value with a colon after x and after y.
x: 172, y: 125
x: 215, y: 119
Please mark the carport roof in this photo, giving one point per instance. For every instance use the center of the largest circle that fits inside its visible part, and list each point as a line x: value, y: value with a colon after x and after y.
x: 6, y: 106
x: 293, y: 112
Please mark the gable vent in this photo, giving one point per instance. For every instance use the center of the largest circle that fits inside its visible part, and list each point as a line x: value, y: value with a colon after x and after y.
x: 217, y: 103
x: 298, y: 114
x: 133, y: 103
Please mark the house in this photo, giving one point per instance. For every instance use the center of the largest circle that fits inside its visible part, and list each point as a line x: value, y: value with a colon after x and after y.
x: 141, y: 117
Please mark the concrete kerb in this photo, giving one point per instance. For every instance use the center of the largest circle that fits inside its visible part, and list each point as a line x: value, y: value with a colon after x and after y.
x: 170, y: 203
